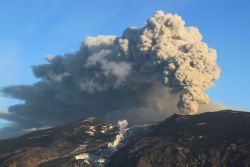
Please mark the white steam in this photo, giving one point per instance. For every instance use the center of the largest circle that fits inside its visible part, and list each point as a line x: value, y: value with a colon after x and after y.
x: 122, y: 131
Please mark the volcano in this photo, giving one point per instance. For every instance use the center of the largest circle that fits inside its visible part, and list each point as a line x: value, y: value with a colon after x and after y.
x: 209, y: 139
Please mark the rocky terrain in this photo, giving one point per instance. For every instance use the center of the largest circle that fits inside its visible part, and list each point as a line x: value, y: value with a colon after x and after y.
x: 219, y: 139
x: 57, y: 145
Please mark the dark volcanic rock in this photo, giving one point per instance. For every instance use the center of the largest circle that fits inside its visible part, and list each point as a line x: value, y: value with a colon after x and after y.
x: 57, y: 146
x: 218, y: 139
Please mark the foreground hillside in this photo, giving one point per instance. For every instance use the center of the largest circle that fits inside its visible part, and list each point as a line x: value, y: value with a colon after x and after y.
x: 209, y: 139
x: 218, y: 139
x: 56, y: 146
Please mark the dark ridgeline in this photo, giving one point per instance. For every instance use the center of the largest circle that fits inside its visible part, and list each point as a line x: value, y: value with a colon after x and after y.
x: 219, y: 139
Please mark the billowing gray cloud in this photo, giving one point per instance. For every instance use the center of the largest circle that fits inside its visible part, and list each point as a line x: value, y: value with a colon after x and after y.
x: 145, y: 75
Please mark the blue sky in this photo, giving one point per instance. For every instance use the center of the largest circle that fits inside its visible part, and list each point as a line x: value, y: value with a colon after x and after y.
x: 32, y: 29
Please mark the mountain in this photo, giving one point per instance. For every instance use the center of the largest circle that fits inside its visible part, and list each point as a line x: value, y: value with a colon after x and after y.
x: 214, y: 139
x: 57, y: 145
x: 219, y: 139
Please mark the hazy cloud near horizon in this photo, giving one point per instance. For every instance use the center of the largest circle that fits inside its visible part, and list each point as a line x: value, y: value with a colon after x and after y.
x: 145, y: 75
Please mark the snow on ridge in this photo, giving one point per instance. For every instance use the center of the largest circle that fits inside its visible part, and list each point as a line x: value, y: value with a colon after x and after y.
x: 202, y: 123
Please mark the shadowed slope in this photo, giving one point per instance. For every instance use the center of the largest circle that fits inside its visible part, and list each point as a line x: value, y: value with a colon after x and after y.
x: 208, y: 139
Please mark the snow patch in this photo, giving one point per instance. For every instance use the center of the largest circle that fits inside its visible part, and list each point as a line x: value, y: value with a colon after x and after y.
x: 91, y: 131
x: 37, y: 137
x: 90, y: 159
x: 202, y: 123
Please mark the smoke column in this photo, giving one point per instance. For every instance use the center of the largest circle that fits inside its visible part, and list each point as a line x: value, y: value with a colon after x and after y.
x: 122, y: 130
x: 145, y: 75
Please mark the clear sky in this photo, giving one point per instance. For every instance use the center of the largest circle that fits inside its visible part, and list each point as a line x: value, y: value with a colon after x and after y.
x: 32, y: 29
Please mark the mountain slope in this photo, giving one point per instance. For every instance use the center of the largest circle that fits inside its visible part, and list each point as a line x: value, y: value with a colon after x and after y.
x: 56, y: 145
x: 208, y: 139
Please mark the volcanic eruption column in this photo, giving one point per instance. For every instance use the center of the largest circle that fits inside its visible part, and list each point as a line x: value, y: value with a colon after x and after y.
x: 112, y: 76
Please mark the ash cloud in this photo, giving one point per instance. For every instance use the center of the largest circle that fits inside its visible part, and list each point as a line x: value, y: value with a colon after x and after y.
x: 145, y: 75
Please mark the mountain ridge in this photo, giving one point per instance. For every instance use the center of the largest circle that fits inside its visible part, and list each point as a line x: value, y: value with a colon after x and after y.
x: 208, y: 139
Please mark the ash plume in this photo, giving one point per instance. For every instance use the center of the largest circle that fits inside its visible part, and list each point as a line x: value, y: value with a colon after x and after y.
x: 145, y: 75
